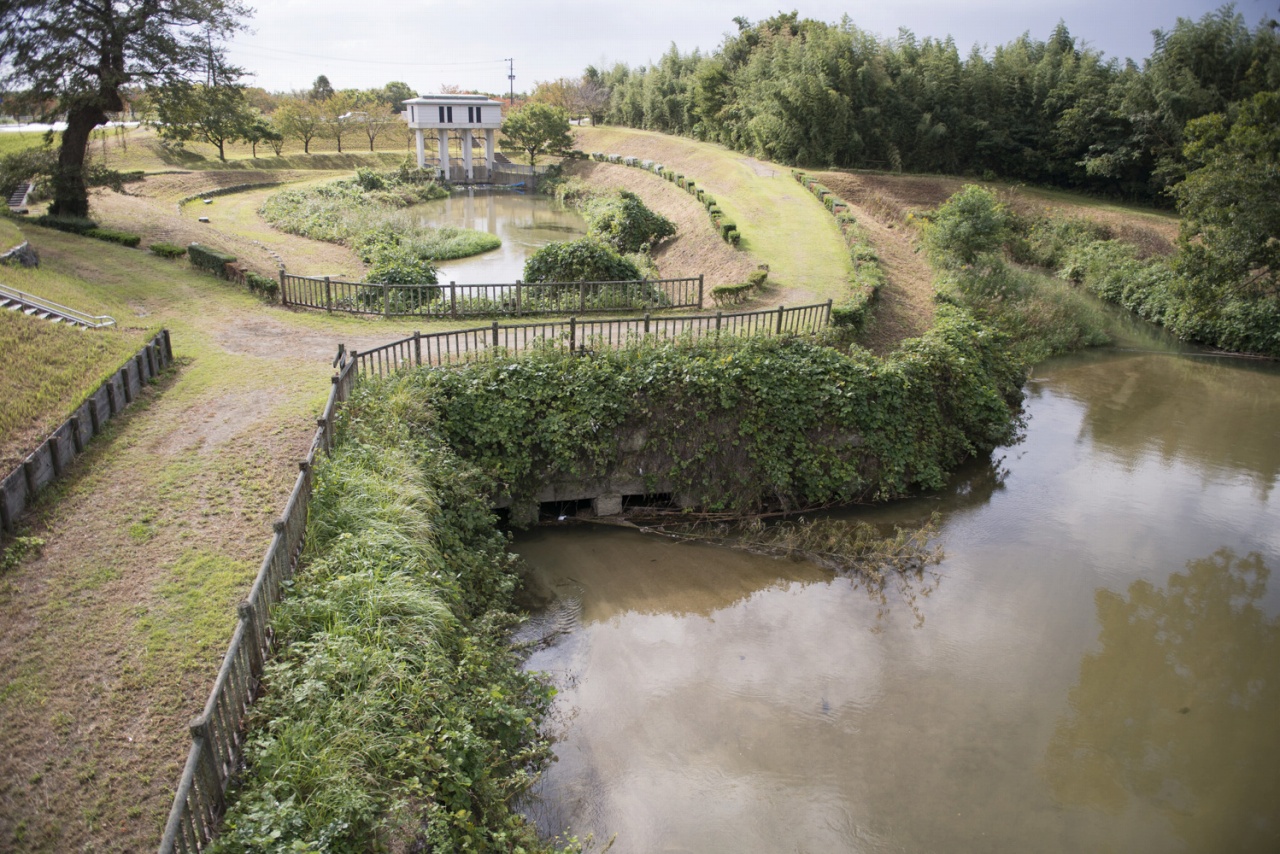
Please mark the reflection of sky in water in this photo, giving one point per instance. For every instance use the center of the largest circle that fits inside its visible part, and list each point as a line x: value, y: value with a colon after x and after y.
x: 1104, y: 586
x: 523, y: 222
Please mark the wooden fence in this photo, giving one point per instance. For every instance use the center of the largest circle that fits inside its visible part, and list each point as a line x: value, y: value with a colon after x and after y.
x: 442, y: 348
x: 518, y: 299
x: 217, y: 734
x: 47, y: 462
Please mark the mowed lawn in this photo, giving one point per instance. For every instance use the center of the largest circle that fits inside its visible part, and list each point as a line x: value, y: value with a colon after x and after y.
x: 780, y: 222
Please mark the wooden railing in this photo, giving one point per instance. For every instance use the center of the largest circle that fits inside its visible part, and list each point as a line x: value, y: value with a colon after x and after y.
x: 436, y: 349
x: 515, y: 299
x: 217, y: 734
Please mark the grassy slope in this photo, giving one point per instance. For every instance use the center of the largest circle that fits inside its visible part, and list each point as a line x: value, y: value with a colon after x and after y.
x: 49, y: 369
x: 781, y: 224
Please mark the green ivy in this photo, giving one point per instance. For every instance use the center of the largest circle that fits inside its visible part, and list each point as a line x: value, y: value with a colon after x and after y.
x: 742, y: 425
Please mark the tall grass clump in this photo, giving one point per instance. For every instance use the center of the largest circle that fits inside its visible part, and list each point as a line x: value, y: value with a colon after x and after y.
x: 395, y: 716
x: 1040, y: 316
x: 367, y: 213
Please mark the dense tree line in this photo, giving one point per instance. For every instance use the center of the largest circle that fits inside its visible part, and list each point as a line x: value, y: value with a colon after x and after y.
x: 1050, y: 112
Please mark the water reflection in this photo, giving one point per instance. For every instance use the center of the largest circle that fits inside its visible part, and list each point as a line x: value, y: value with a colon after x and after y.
x: 1177, y: 711
x: 1150, y: 404
x: 524, y: 222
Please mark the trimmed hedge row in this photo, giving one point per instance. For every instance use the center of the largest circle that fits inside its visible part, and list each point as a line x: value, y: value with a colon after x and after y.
x: 207, y: 258
x: 740, y: 293
x: 86, y: 227
x: 868, y: 274
x: 727, y: 230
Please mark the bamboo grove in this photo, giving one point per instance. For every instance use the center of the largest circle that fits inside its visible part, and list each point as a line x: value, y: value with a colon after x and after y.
x: 1054, y: 112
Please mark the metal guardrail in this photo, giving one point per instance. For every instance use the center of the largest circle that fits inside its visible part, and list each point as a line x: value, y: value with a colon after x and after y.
x: 515, y: 299
x: 34, y: 305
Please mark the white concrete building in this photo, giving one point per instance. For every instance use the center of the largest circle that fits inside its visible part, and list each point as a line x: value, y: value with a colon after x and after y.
x: 467, y: 114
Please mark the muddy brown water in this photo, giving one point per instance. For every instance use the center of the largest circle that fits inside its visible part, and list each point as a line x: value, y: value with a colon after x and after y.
x: 1094, y: 666
x: 525, y: 222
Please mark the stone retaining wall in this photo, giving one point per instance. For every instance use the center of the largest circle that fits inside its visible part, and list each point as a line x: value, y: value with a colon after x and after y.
x: 55, y: 454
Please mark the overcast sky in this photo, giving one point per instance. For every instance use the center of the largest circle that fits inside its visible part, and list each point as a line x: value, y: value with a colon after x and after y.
x: 428, y: 43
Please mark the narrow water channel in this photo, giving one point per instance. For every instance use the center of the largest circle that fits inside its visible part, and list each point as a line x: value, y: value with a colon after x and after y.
x: 1094, y: 666
x: 525, y: 222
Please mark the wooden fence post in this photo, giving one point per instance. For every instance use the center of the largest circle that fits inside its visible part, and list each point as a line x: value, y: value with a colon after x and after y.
x: 782, y: 310
x: 495, y: 333
x: 582, y: 296
x: 417, y: 348
x: 828, y: 323
x: 573, y: 333
x: 284, y: 293
x: 517, y: 297
x: 453, y: 300
x: 386, y: 301
x: 699, y: 291
x: 646, y: 323
x: 328, y: 295
x: 718, y: 321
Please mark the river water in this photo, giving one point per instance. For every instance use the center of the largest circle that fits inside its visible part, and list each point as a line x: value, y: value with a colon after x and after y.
x: 525, y: 222
x: 1094, y: 665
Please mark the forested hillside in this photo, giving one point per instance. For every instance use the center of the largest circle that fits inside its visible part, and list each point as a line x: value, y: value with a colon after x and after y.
x: 1050, y: 112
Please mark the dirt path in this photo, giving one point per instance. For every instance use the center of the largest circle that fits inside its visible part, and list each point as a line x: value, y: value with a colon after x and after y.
x: 905, y: 307
x: 110, y: 639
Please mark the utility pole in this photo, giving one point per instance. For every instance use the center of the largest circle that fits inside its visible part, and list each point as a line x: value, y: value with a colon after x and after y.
x: 511, y: 78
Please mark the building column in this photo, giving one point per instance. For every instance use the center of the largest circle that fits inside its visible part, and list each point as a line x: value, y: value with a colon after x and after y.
x: 422, y: 153
x: 488, y: 151
x: 466, y: 154
x: 442, y: 140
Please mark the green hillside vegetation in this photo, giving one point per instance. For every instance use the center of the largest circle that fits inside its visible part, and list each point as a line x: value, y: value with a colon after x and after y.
x: 49, y: 370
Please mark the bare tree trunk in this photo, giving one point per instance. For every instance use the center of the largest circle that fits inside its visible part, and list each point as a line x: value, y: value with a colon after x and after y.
x: 70, y: 196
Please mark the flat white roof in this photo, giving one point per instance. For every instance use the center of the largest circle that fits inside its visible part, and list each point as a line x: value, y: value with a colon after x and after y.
x: 446, y: 100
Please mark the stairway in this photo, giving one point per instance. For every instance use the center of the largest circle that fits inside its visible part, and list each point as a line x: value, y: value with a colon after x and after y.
x: 40, y: 309
x: 18, y: 200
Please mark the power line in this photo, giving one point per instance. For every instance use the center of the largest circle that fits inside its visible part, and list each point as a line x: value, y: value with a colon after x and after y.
x: 332, y: 58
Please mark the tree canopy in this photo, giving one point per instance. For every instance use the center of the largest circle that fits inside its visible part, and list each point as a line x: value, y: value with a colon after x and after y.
x: 537, y: 129
x: 80, y: 54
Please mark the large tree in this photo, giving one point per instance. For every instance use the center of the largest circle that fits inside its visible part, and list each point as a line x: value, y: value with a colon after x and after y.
x: 213, y: 114
x: 81, y: 54
x: 537, y: 129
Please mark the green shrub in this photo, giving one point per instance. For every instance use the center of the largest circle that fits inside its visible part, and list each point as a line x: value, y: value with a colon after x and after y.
x: 732, y: 294
x: 757, y: 278
x: 168, y: 250
x: 110, y: 235
x: 263, y: 285
x: 587, y: 259
x: 733, y: 236
x: 624, y: 222
x: 71, y: 224
x: 207, y: 258
x: 726, y: 227
x: 970, y: 224
x: 395, y: 264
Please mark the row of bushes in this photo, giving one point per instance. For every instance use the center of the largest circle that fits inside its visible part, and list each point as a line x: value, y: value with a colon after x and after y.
x: 740, y: 293
x: 868, y: 275
x: 86, y: 227
x: 1148, y: 284
x: 224, y: 266
x: 727, y: 229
